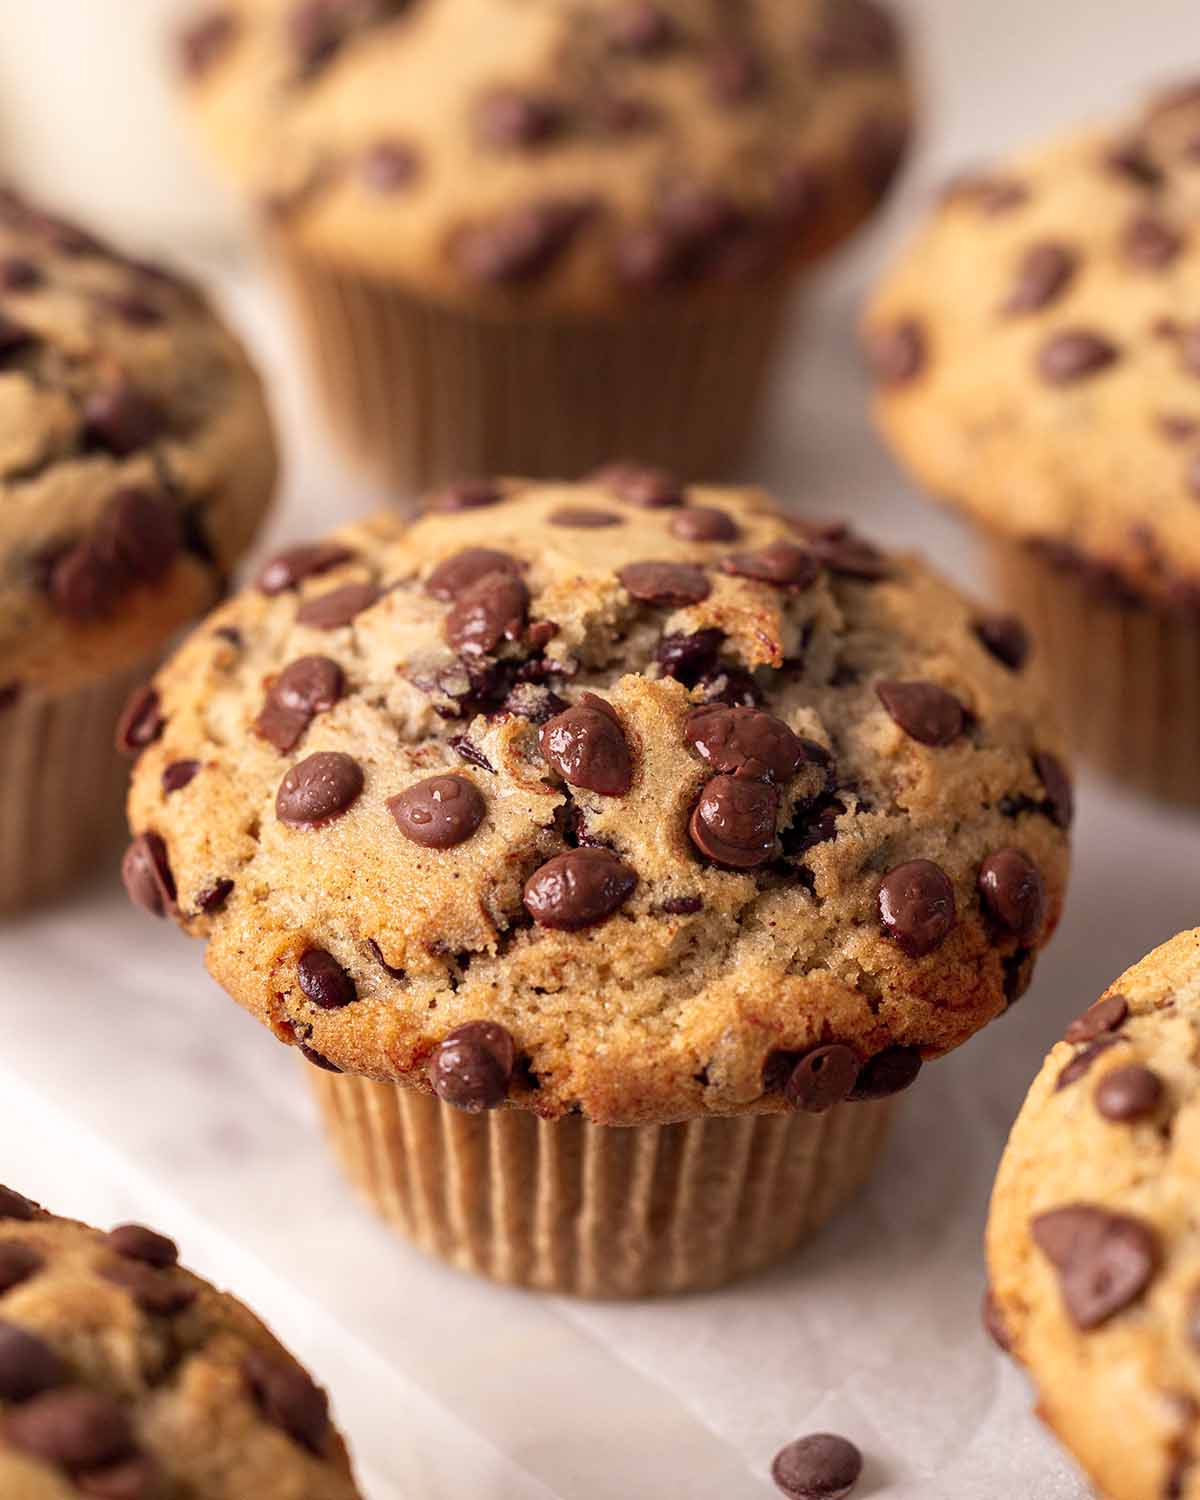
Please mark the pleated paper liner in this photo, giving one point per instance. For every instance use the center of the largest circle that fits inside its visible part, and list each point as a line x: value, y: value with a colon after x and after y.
x: 419, y: 395
x: 598, y: 1211
x: 62, y: 789
x: 1125, y: 677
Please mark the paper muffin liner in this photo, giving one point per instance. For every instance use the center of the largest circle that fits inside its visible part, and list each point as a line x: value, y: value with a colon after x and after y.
x: 1124, y: 676
x: 419, y: 395
x: 593, y: 1210
x: 62, y: 788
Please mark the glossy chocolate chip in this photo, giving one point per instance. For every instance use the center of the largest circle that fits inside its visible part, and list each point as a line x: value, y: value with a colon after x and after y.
x: 146, y: 873
x: 486, y: 613
x: 916, y: 907
x: 324, y: 981
x: 1060, y: 796
x: 288, y: 1398
x: 509, y: 118
x: 286, y: 570
x: 319, y: 789
x: 1150, y: 243
x: 390, y: 166
x: 821, y: 1467
x: 586, y: 745
x: 1043, y: 275
x: 465, y: 494
x: 120, y: 419
x: 704, y: 523
x: 473, y: 1066
x: 27, y: 1365
x: 15, y: 1207
x: 178, y: 774
x: 689, y: 657
x: 780, y: 563
x: 1075, y: 354
x: 744, y: 742
x: 136, y: 1242
x: 1013, y: 893
x: 525, y: 242
x: 308, y: 686
x: 141, y: 721
x: 897, y: 354
x: 1005, y: 637
x: 1129, y: 1093
x: 1081, y: 1064
x: 339, y: 607
x: 889, y: 1072
x: 579, y: 518
x: 1107, y: 1015
x: 926, y: 713
x: 72, y: 1427
x: 579, y: 889
x: 822, y: 1078
x: 734, y: 822
x: 1104, y: 1261
x: 457, y: 573
x: 18, y: 1263
x: 641, y: 28
x: 650, y: 489
x: 665, y: 583
x: 439, y: 812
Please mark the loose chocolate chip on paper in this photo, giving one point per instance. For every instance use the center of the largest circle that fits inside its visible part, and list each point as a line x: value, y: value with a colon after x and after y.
x: 780, y: 563
x: 141, y: 721
x: 291, y: 567
x: 745, y: 742
x: 18, y: 1263
x: 339, y: 607
x: 579, y: 889
x: 1130, y: 1093
x: 665, y: 583
x: 288, y: 1398
x: 324, y: 981
x: 916, y: 907
x: 1013, y: 893
x: 456, y: 573
x: 439, y: 812
x: 71, y: 1427
x: 473, y: 1066
x: 319, y: 789
x: 1075, y: 354
x: 586, y: 745
x: 822, y: 1078
x: 146, y: 874
x: 821, y: 1467
x: 734, y: 822
x: 1107, y: 1015
x: 27, y: 1365
x: 1044, y: 273
x: 1005, y: 637
x: 704, y: 523
x: 926, y: 713
x: 837, y: 547
x: 1105, y: 1261
x: 897, y: 354
x: 486, y: 613
x: 136, y: 1242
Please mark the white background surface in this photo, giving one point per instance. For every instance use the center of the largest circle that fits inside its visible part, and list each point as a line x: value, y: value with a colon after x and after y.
x: 130, y: 1087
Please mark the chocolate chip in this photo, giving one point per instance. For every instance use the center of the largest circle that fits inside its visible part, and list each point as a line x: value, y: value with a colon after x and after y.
x: 509, y: 118
x: 286, y: 570
x: 147, y: 875
x: 473, y: 1066
x: 487, y: 612
x: 287, y: 1397
x: 213, y: 898
x: 10, y: 696
x: 27, y: 1365
x: 17, y: 1264
x: 316, y: 30
x: 454, y: 574
x: 641, y: 28
x: 682, y: 906
x: 736, y: 73
x: 1060, y: 797
x: 582, y: 519
x: 925, y: 712
x: 178, y: 774
x: 439, y: 812
x: 916, y: 907
x: 139, y: 535
x: 206, y: 41
x: 578, y: 889
x: 1106, y: 1015
x: 1129, y: 1093
x: 154, y: 1291
x: 689, y: 657
x: 665, y: 583
x: 318, y: 789
x: 744, y: 742
x: 14, y: 337
x: 734, y: 822
x: 889, y: 1072
x: 842, y: 551
x: 649, y: 489
x: 856, y: 34
x: 141, y: 721
x: 338, y: 607
x: 780, y: 563
x: 731, y: 686
x: 517, y: 246
x: 306, y: 687
x: 389, y: 166
x: 15, y: 1207
x: 466, y: 494
x: 822, y: 1078
x: 821, y: 1467
x: 897, y: 354
x: 1013, y: 893
x: 704, y: 523
x: 993, y: 1323
x: 138, y: 1478
x: 1081, y: 1064
x: 586, y: 745
x: 19, y: 274
x: 136, y: 1242
x: 1150, y: 243
x: 1043, y: 275
x: 74, y: 1428
x: 1104, y: 1261
x: 1005, y: 637
x: 120, y: 419
x: 324, y: 981
x: 1130, y: 159
x: 132, y: 308
x: 878, y: 147
x: 1074, y: 354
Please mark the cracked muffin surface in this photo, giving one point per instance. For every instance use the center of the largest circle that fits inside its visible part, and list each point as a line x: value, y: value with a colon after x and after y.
x: 125, y: 1377
x: 693, y: 807
x: 136, y: 455
x: 1091, y: 1238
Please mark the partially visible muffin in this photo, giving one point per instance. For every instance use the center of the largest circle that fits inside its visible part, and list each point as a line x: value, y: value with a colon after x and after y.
x: 1091, y: 1244
x: 125, y: 1377
x: 524, y: 237
x: 136, y: 462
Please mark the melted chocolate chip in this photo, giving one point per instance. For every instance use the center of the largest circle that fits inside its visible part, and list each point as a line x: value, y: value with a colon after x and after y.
x: 459, y: 572
x: 74, y: 1428
x: 916, y: 907
x: 731, y: 686
x: 27, y: 1365
x: 134, y: 541
x: 889, y: 1072
x: 579, y: 889
x: 704, y: 523
x: 487, y: 612
x: 1130, y: 1093
x: 18, y: 1263
x: 1105, y: 1016
x: 822, y: 1078
x: 821, y: 1467
x: 1005, y: 637
x: 650, y: 489
x: 581, y: 519
x: 178, y: 774
x: 925, y: 712
x: 141, y: 722
x: 287, y: 1397
x: 338, y: 607
x: 136, y: 1242
x: 1013, y: 893
x: 1043, y: 275
x: 1104, y: 1261
x: 586, y: 745
x: 744, y: 742
x: 690, y: 657
x: 286, y: 570
x: 439, y: 812
x: 734, y: 822
x: 1075, y: 354
x: 665, y: 583
x: 306, y: 687
x: 318, y: 789
x: 147, y: 875
x: 780, y: 563
x: 120, y: 419
x: 473, y: 1066
x: 898, y: 354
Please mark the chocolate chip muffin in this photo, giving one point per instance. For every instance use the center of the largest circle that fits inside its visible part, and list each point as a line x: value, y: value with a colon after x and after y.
x: 1038, y: 361
x: 1090, y: 1244
x: 124, y: 1377
x: 617, y: 804
x: 522, y: 237
x: 136, y: 460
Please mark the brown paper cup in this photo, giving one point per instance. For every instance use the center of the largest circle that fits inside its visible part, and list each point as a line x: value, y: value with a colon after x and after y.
x: 1125, y: 677
x: 62, y: 789
x: 419, y: 395
x: 597, y: 1211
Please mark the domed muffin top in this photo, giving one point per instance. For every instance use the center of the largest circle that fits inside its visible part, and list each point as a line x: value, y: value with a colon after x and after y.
x: 124, y: 1377
x: 507, y: 154
x: 668, y: 789
x: 1037, y: 351
x: 1091, y: 1249
x: 136, y: 455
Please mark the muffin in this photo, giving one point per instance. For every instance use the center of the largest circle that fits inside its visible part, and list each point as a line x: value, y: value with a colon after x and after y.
x: 1091, y: 1250
x: 521, y: 238
x: 136, y: 461
x: 1037, y: 353
x: 659, y: 811
x: 124, y: 1377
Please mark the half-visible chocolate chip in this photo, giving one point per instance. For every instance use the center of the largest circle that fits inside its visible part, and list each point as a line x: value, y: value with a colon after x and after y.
x: 213, y: 898
x: 1106, y: 1015
x: 120, y: 419
x: 1060, y: 796
x: 308, y: 686
x: 889, y: 1072
x: 465, y: 494
x: 324, y: 981
x: 916, y: 906
x: 74, y: 1428
x: 1151, y: 243
x: 521, y: 244
x: 690, y: 657
x: 19, y: 274
x: 18, y: 1263
x: 704, y: 523
x: 511, y: 118
x: 822, y: 1078
x: 1005, y: 637
x: 746, y: 742
x: 286, y: 570
x: 389, y: 166
x: 338, y: 607
x: 439, y: 812
x: 178, y: 774
x: 27, y: 1365
x: 136, y: 1242
x: 141, y: 721
x: 781, y: 563
x: 458, y: 572
x: 994, y: 1324
x: 926, y: 713
x: 154, y: 1290
x: 146, y: 873
x: 1043, y: 275
x: 473, y: 1066
x: 579, y: 889
x: 16, y: 1207
x: 1013, y: 893
x: 821, y: 1467
x: 1075, y: 354
x: 1081, y: 1064
x: 1129, y: 1093
x: 734, y: 822
x: 288, y: 1398
x: 586, y: 745
x: 1105, y: 1261
x: 319, y: 789
x: 487, y: 612
x: 665, y: 583
x: 844, y: 552
x: 580, y: 518
x: 651, y: 489
x: 897, y: 355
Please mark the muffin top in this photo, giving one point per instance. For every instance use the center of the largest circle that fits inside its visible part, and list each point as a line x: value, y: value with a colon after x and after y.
x: 1091, y: 1242
x: 1037, y: 351
x: 136, y: 455
x: 123, y: 1377
x: 667, y: 789
x: 537, y: 153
